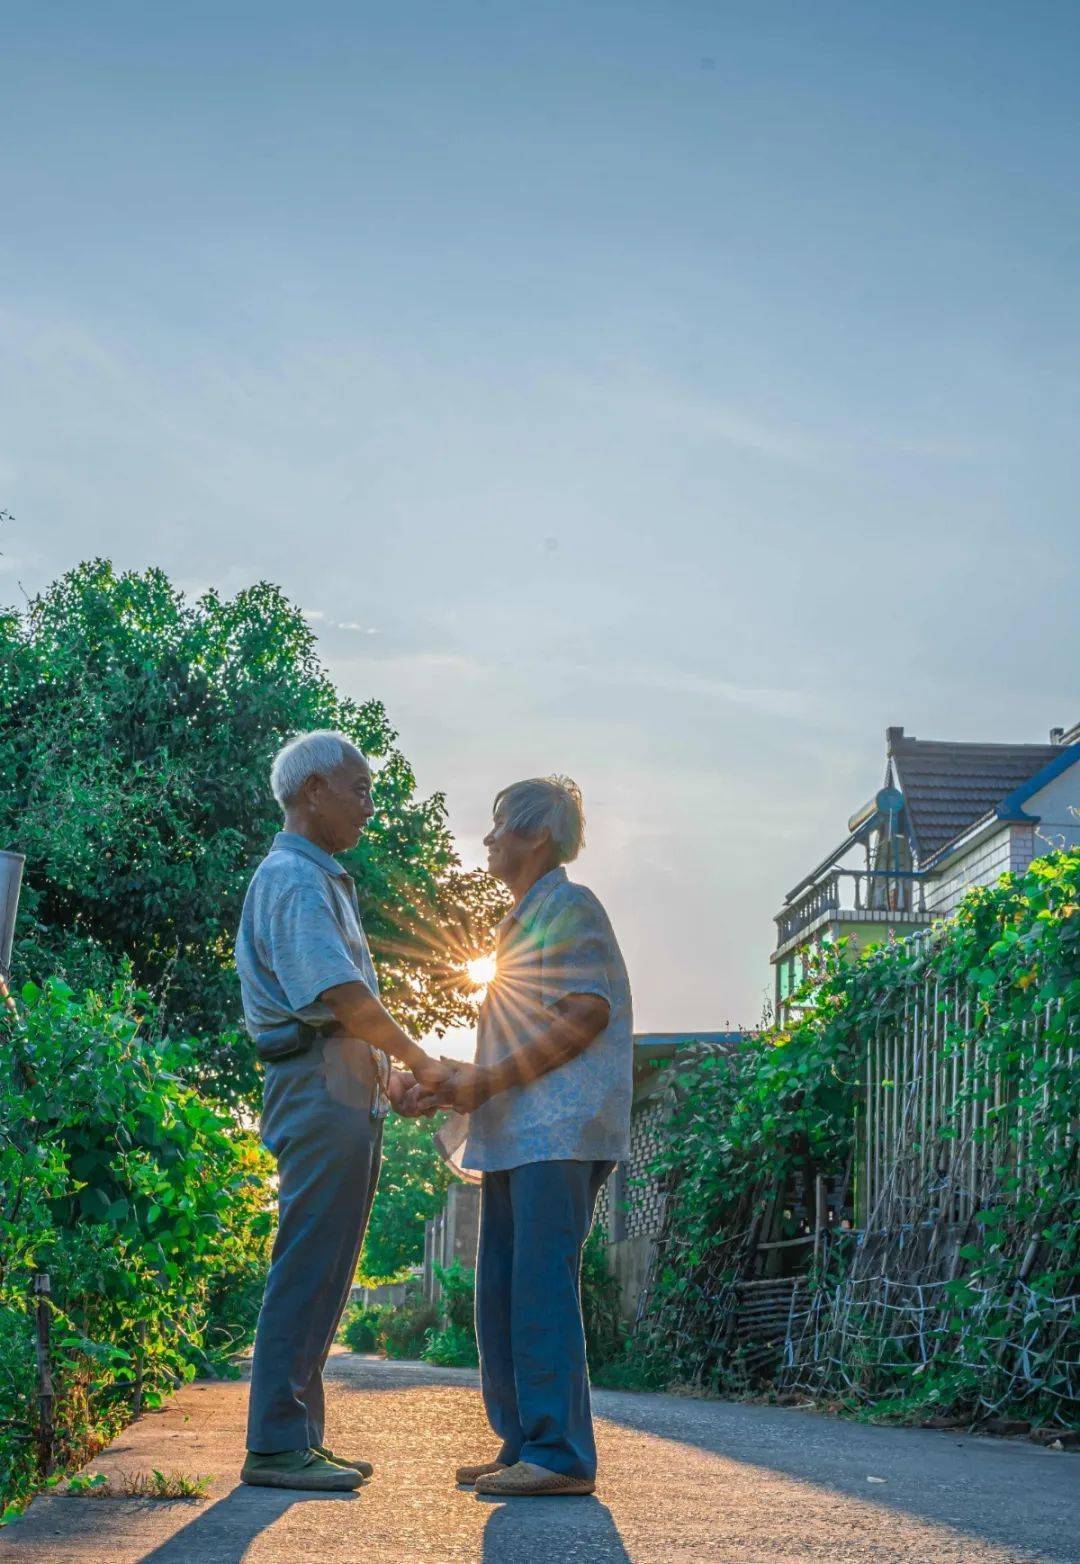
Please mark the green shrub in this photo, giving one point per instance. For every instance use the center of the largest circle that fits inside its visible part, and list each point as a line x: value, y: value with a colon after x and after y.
x: 145, y: 1205
x: 457, y: 1297
x: 405, y: 1329
x: 605, y: 1332
x: 453, y: 1343
x: 452, y: 1346
x: 362, y: 1327
x: 634, y: 1369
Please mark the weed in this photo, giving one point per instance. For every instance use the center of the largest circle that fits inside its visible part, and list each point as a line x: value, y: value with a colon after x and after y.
x: 139, y: 1485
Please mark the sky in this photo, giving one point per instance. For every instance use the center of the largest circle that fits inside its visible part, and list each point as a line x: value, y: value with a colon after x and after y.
x: 673, y: 395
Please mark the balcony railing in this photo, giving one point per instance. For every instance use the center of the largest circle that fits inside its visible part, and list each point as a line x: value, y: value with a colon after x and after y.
x: 853, y: 890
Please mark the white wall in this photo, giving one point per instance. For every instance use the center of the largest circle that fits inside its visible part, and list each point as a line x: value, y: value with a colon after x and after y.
x: 1012, y: 847
x: 1057, y: 826
x: 983, y: 865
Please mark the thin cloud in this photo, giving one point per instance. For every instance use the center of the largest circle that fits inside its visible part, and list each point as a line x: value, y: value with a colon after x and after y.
x: 659, y: 403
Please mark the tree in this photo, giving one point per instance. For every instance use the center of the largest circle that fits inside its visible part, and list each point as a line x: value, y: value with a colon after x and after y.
x: 137, y: 729
x: 412, y: 1187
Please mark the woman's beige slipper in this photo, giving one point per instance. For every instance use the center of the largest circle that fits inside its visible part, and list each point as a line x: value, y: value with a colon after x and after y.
x: 524, y: 1480
x: 469, y: 1474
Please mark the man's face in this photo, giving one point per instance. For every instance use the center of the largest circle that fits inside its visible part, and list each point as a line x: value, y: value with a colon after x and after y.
x: 506, y: 850
x: 341, y: 804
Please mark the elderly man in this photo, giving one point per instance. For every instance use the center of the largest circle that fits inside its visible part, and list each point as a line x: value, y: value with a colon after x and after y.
x: 550, y: 1097
x: 311, y: 1004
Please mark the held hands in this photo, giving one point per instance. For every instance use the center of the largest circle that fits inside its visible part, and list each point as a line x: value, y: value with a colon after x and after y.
x: 434, y: 1084
x: 403, y: 1091
x: 468, y: 1086
x: 417, y: 1098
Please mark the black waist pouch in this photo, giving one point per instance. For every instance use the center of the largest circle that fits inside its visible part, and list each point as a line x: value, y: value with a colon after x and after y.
x: 284, y: 1042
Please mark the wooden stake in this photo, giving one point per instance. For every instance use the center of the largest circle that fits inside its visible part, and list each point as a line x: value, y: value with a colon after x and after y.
x: 820, y: 1216
x: 42, y: 1291
x: 140, y: 1370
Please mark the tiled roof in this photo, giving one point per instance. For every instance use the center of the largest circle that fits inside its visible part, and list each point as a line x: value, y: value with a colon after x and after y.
x: 947, y: 787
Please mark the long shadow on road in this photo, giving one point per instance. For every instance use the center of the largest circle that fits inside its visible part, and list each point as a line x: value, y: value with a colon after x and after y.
x: 581, y: 1529
x: 225, y: 1531
x: 1005, y: 1492
x: 1001, y: 1491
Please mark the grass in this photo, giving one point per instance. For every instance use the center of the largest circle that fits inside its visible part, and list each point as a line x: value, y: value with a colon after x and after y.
x: 139, y: 1485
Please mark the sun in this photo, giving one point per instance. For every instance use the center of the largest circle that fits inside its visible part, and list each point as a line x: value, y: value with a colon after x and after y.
x: 481, y: 970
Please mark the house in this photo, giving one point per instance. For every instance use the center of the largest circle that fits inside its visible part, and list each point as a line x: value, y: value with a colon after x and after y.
x: 947, y: 817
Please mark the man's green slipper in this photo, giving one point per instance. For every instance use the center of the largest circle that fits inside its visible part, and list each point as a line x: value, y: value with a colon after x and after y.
x: 305, y: 1469
x: 365, y: 1468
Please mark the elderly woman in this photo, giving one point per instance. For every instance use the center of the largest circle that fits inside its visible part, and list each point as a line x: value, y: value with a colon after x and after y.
x: 311, y: 1003
x: 550, y: 1097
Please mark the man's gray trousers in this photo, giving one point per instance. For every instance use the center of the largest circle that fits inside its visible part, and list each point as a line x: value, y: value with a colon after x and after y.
x: 316, y: 1121
x: 534, y: 1220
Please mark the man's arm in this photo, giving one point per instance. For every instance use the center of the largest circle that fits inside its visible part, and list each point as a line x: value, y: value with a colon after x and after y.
x: 577, y: 1020
x: 361, y: 1015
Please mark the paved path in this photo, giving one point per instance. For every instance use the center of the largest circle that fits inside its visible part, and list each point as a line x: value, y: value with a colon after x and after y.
x: 680, y: 1480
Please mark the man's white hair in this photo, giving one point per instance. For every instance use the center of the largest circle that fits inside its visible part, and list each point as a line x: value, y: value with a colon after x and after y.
x: 309, y: 755
x: 550, y: 804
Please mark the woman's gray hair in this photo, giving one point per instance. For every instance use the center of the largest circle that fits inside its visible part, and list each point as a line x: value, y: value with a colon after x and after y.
x: 550, y: 804
x: 309, y: 755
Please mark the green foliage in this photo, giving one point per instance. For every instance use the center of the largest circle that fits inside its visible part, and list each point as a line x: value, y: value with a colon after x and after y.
x: 405, y: 1328
x: 452, y: 1346
x: 168, y: 1486
x: 413, y: 1181
x: 136, y: 734
x: 397, y: 1330
x: 458, y: 1293
x: 141, y: 1200
x: 617, y: 1360
x: 789, y: 1099
x: 87, y: 1485
x: 361, y: 1328
x: 453, y: 1343
x: 605, y: 1332
x: 638, y: 1366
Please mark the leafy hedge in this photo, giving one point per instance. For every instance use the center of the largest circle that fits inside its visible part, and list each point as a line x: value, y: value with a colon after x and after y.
x: 145, y: 1205
x: 789, y: 1098
x: 453, y: 1343
x: 396, y: 1330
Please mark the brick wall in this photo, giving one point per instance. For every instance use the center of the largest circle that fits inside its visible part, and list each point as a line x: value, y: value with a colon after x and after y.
x: 630, y: 1202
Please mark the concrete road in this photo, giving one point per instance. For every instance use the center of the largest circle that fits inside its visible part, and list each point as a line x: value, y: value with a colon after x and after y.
x: 680, y: 1479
